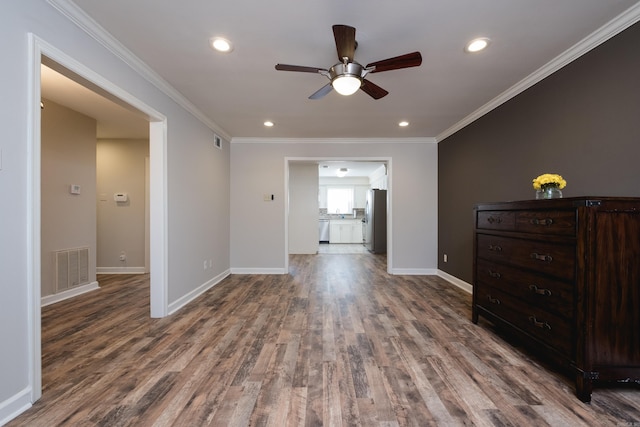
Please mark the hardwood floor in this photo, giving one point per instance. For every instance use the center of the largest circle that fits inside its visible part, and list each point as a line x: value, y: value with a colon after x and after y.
x: 342, y: 248
x: 338, y: 341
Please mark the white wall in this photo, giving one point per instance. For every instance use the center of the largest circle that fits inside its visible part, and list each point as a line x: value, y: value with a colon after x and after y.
x: 197, y: 179
x: 258, y: 228
x: 303, y: 208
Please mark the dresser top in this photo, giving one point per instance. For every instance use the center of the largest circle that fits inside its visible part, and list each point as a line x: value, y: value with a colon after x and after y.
x: 564, y: 203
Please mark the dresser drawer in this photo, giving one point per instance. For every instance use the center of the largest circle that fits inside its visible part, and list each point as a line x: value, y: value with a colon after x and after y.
x: 550, y: 329
x: 496, y: 220
x: 547, y: 222
x: 539, y: 291
x: 555, y: 259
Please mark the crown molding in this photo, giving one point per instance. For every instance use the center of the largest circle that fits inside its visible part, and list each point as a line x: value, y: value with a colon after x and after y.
x: 87, y: 24
x: 102, y: 36
x: 595, y: 39
x: 252, y: 140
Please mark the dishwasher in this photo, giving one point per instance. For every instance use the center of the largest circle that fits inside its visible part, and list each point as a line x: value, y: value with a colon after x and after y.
x: 323, y: 230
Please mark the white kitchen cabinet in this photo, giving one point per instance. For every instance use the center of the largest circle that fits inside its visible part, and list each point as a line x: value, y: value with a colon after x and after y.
x: 345, y: 231
x: 357, y: 232
x: 361, y: 196
x: 339, y: 232
x: 322, y: 196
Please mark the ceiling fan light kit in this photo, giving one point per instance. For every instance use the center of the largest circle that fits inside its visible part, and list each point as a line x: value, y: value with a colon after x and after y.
x: 347, y: 76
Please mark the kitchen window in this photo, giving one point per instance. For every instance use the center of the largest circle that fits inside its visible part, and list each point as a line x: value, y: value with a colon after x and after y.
x: 339, y: 200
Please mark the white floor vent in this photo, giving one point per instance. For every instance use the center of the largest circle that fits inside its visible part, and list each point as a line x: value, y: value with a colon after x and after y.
x: 72, y: 268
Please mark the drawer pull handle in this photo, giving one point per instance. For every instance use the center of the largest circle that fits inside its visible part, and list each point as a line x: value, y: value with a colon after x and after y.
x: 495, y: 274
x: 491, y: 220
x: 493, y: 300
x: 541, y: 325
x: 495, y: 248
x: 542, y: 257
x: 537, y: 290
x: 544, y: 221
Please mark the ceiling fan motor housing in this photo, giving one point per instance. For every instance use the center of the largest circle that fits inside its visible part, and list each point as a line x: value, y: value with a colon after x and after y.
x: 352, y: 69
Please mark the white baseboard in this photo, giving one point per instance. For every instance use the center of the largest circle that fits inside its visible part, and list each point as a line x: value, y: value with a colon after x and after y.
x: 456, y: 282
x: 414, y: 271
x: 258, y: 271
x: 120, y: 270
x: 61, y: 296
x: 186, y: 299
x: 434, y: 272
x: 15, y: 405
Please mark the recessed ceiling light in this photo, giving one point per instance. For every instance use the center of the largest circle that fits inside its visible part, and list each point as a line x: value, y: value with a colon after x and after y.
x: 403, y: 123
x: 342, y: 172
x: 476, y: 45
x: 221, y: 45
x: 268, y: 123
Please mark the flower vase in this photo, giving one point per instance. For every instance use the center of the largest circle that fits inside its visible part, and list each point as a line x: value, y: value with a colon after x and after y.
x: 549, y: 192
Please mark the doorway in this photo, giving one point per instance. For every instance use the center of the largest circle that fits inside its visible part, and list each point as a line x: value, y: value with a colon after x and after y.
x: 44, y: 53
x: 317, y: 161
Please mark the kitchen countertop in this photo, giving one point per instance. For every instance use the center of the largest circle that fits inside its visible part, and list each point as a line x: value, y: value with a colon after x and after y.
x: 337, y: 218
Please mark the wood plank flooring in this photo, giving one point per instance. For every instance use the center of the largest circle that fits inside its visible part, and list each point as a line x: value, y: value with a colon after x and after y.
x: 342, y: 248
x: 337, y: 342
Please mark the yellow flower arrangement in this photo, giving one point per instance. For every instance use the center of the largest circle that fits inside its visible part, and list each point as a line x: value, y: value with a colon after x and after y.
x: 549, y: 180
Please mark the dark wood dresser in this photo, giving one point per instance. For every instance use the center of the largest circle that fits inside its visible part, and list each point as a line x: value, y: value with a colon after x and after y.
x: 564, y: 276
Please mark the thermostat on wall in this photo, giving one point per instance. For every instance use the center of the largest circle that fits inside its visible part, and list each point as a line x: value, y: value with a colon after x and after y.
x: 120, y: 197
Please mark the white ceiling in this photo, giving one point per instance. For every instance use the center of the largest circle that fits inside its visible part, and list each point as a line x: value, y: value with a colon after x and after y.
x: 328, y: 169
x: 240, y: 90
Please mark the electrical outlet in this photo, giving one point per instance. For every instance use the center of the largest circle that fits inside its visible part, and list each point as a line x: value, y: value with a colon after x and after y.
x: 123, y: 256
x: 445, y: 258
x: 204, y: 267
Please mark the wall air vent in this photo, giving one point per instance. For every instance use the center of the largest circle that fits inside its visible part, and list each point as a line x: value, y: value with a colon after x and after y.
x: 72, y: 268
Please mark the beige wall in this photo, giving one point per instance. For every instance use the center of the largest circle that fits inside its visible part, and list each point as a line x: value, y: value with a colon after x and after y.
x: 121, y: 226
x: 303, y: 208
x: 68, y: 157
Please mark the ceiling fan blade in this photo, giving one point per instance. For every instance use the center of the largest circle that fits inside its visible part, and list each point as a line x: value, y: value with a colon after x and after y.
x: 300, y: 68
x: 322, y: 91
x: 413, y: 59
x: 345, y: 37
x: 373, y: 90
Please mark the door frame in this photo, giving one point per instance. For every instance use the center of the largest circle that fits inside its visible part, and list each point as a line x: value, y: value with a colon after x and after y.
x: 39, y: 48
x: 382, y: 159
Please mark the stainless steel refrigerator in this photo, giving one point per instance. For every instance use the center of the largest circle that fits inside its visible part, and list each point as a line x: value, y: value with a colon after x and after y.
x: 374, y: 229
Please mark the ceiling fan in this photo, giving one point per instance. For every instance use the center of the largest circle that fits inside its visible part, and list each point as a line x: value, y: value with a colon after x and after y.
x: 347, y: 76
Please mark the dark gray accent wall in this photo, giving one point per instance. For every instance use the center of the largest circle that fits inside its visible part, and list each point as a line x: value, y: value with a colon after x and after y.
x: 582, y: 122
